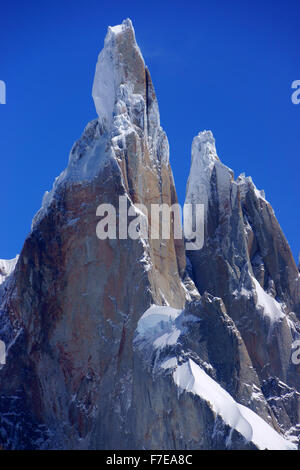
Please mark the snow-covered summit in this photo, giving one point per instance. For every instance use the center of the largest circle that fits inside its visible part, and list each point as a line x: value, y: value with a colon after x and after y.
x: 127, y: 107
x: 204, y: 156
x: 119, y: 63
x: 204, y: 137
x: 205, y: 162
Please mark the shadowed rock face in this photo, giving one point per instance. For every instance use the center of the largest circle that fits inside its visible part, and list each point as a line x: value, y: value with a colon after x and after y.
x: 109, y: 343
x: 246, y: 261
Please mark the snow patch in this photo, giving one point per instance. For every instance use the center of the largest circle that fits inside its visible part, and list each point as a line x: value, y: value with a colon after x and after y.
x: 7, y: 266
x: 167, y: 339
x: 191, y: 378
x: 169, y: 363
x: 155, y: 316
x: 270, y: 306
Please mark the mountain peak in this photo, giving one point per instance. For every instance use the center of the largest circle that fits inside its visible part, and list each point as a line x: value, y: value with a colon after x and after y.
x: 205, y: 136
x: 121, y: 28
x: 115, y: 336
x: 119, y: 63
x: 204, y: 158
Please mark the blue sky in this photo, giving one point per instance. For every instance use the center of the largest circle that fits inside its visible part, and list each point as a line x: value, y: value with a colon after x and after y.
x: 222, y: 65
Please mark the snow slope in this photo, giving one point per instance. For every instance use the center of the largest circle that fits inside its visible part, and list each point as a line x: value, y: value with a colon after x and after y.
x: 191, y: 378
x: 270, y: 306
x: 159, y: 325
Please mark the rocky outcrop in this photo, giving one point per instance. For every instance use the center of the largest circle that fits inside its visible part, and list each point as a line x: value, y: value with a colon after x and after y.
x: 110, y: 342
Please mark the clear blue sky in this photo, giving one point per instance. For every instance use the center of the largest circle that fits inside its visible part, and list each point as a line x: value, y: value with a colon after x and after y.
x: 220, y: 65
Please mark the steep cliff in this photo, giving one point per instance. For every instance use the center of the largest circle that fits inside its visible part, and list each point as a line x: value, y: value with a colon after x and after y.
x: 247, y: 262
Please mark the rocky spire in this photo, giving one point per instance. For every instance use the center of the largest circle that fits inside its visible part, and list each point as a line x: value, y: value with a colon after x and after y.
x: 78, y: 299
x: 205, y: 162
x: 120, y: 63
x: 122, y: 83
x: 109, y: 343
x: 247, y: 262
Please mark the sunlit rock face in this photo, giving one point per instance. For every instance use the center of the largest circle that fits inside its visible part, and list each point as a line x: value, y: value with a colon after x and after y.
x: 126, y: 343
x: 75, y: 300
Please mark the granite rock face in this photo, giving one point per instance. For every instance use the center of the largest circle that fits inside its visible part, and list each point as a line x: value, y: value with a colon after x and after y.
x: 247, y: 262
x: 126, y: 343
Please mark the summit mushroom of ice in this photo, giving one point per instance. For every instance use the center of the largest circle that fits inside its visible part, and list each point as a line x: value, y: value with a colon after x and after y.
x: 119, y: 63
